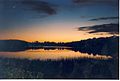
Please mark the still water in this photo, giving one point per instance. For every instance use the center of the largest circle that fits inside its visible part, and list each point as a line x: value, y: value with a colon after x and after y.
x: 57, y: 63
x: 52, y: 54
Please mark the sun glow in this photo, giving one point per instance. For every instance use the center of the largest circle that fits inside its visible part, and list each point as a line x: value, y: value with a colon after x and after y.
x: 50, y: 33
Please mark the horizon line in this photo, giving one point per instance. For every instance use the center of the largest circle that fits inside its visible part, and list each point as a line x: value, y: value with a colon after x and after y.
x: 55, y: 41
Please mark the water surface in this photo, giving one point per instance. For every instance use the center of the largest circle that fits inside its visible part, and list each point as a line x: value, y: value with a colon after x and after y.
x: 56, y: 62
x: 52, y: 54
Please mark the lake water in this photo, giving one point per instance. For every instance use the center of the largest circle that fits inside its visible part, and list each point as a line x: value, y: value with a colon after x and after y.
x: 57, y: 63
x: 52, y: 54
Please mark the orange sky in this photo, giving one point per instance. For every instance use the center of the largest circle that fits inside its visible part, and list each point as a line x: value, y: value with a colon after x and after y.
x: 53, y: 32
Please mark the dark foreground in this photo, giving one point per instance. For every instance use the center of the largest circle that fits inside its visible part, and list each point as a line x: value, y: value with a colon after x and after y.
x: 63, y: 69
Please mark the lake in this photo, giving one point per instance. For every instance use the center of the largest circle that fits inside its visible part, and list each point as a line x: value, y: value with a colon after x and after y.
x: 52, y: 54
x: 57, y: 63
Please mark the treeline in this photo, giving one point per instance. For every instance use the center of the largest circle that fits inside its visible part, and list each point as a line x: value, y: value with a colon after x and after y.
x: 103, y: 45
x: 47, y: 43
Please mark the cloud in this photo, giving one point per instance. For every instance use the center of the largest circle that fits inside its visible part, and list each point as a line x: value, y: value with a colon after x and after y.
x: 15, y: 13
x: 35, y: 5
x: 91, y: 2
x: 108, y: 28
x: 94, y: 1
x: 40, y: 6
x: 104, y: 18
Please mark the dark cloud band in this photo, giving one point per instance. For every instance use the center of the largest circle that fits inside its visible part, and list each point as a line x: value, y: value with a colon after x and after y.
x: 108, y: 28
x: 113, y: 3
x: 40, y: 6
x: 104, y: 18
x: 95, y: 1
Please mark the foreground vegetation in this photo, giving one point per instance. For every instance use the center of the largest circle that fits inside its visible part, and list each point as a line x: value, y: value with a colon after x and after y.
x: 74, y: 68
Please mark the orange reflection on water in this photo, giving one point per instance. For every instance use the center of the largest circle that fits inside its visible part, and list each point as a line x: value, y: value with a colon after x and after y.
x: 42, y: 54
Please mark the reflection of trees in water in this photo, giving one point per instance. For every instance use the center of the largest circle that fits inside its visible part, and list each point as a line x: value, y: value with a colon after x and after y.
x: 106, y: 46
x: 75, y: 68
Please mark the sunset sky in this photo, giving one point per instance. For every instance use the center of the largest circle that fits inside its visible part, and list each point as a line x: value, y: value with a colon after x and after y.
x: 54, y: 20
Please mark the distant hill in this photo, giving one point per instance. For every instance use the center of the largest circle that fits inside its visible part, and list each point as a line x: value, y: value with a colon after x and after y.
x: 13, y: 45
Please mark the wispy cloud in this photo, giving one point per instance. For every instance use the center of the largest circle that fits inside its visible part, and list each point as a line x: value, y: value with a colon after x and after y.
x: 108, y: 28
x: 94, y: 1
x: 40, y: 6
x: 103, y: 18
x: 113, y: 3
